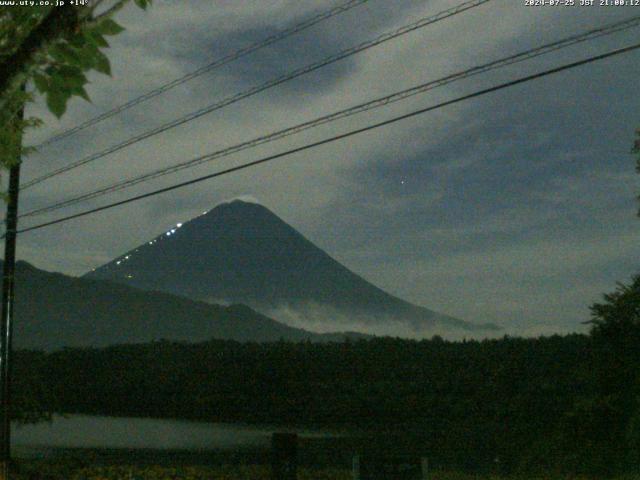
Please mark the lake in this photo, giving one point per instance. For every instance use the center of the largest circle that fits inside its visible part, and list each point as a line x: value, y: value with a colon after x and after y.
x: 83, y: 431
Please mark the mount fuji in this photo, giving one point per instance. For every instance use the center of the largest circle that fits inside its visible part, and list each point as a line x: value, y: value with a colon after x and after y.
x: 241, y: 252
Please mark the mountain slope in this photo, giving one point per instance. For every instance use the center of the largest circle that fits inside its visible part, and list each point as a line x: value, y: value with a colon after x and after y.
x: 242, y: 252
x: 55, y: 311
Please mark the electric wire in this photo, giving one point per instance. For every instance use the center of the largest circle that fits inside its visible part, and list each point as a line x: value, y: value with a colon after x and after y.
x: 206, y: 69
x: 423, y: 22
x: 370, y: 105
x: 351, y: 133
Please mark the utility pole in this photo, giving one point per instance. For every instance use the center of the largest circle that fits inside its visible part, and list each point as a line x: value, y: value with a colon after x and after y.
x: 6, y: 320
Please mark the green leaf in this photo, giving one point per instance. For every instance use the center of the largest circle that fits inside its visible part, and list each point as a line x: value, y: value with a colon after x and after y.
x: 77, y: 40
x: 81, y: 92
x: 71, y: 76
x: 102, y: 64
x: 57, y: 102
x: 87, y: 60
x: 142, y: 4
x: 88, y: 56
x: 65, y: 53
x: 109, y: 27
x: 94, y: 38
x: 56, y: 54
x: 51, y: 70
x: 41, y: 82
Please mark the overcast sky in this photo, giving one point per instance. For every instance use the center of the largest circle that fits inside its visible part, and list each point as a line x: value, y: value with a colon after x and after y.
x: 516, y: 208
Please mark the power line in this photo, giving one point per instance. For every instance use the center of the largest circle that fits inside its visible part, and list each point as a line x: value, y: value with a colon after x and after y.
x: 309, y: 146
x: 207, y: 68
x: 370, y: 105
x: 262, y: 87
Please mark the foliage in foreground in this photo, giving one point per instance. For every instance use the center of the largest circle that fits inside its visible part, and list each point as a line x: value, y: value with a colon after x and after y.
x: 53, y: 471
x: 50, y: 48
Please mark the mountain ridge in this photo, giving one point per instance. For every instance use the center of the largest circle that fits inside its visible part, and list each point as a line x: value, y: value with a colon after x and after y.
x: 241, y: 252
x: 54, y: 310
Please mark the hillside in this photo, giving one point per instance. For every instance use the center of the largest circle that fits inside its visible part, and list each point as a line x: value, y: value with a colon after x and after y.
x: 55, y: 311
x: 242, y: 252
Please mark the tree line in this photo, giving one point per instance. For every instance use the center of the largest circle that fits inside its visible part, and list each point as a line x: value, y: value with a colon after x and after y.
x: 564, y: 403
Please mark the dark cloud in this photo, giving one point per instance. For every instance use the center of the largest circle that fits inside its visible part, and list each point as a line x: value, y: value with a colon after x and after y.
x: 515, y: 208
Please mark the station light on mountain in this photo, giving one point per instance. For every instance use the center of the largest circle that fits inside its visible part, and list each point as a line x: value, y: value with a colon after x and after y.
x: 241, y: 252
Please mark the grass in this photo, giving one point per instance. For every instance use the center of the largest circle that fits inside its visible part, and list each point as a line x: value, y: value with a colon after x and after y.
x: 44, y: 470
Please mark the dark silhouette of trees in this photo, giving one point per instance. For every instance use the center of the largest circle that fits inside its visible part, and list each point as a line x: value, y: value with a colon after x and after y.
x: 616, y: 335
x: 466, y: 403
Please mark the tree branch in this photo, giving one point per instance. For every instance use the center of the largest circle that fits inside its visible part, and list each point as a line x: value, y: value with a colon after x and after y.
x: 59, y: 22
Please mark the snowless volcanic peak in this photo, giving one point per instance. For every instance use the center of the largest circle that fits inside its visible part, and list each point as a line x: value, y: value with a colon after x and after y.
x: 241, y: 252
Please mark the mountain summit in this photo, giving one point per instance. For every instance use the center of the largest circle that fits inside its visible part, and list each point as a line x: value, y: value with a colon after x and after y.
x: 241, y: 252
